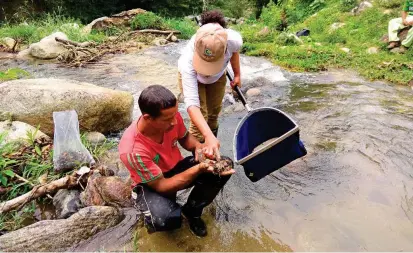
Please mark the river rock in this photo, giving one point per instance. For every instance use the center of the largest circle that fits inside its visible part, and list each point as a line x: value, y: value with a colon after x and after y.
x: 67, y: 202
x: 253, y: 92
x: 174, y: 38
x: 361, y: 7
x: 373, y: 50
x: 48, y: 47
x: 24, y: 55
x: 60, y: 235
x: 7, y: 42
x: 95, y: 138
x: 34, y: 100
x: 17, y: 131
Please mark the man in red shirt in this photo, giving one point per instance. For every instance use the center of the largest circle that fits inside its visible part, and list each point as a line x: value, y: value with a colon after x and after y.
x: 149, y: 150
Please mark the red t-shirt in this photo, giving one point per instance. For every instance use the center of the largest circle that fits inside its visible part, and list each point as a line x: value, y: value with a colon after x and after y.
x: 146, y: 159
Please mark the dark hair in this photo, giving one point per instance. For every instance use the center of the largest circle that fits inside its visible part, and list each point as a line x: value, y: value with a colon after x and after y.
x: 154, y: 99
x: 214, y: 16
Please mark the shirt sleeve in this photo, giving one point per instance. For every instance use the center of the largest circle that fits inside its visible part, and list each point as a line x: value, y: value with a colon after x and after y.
x: 141, y: 167
x: 182, y: 130
x: 189, y: 76
x: 234, y: 41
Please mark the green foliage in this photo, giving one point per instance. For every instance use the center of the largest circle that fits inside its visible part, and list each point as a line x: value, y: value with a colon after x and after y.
x: 186, y: 27
x: 390, y: 3
x: 13, y: 73
x: 272, y: 16
x: 347, y: 5
x: 33, y: 31
x: 286, y: 38
x: 148, y: 20
x: 97, y: 150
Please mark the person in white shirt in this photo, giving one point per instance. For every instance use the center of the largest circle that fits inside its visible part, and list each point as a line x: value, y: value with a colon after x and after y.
x: 202, y: 79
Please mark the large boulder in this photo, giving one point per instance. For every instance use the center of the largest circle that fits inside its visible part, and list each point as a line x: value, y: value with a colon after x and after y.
x: 364, y: 5
x: 34, y: 100
x: 60, y: 235
x: 48, y: 47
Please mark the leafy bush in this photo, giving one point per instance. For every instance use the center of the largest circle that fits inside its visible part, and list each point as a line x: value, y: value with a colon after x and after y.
x: 186, y: 27
x: 347, y: 5
x: 272, y: 16
x: 390, y: 3
x: 148, y: 20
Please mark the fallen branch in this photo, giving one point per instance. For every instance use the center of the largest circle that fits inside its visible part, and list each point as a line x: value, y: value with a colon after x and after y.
x: 73, y: 43
x: 68, y: 181
x: 169, y: 36
x: 155, y: 31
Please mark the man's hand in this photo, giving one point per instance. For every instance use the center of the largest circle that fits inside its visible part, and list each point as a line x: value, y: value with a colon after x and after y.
x: 211, y: 149
x: 205, y: 167
x: 236, y: 82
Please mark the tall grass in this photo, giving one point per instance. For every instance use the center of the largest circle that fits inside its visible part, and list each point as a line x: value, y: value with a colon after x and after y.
x: 33, y: 31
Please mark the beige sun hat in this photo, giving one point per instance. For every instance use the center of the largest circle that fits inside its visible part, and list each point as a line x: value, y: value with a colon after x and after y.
x: 210, y: 46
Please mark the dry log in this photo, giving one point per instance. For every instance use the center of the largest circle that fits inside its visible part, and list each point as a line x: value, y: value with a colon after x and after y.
x: 67, y: 182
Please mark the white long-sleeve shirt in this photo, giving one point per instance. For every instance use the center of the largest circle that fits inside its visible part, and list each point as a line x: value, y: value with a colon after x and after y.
x: 190, y: 77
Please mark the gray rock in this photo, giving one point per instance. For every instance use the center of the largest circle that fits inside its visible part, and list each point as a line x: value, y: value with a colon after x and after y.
x: 17, y: 131
x: 174, y: 38
x: 33, y: 101
x: 372, y: 50
x: 67, y: 202
x: 361, y: 7
x: 253, y: 92
x: 95, y: 137
x: 48, y: 47
x: 60, y: 235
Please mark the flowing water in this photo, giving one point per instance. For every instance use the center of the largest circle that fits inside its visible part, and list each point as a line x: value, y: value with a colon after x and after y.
x: 353, y: 191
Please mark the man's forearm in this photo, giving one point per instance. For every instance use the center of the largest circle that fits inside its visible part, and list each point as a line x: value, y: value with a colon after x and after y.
x: 176, y: 183
x: 235, y: 59
x: 199, y: 121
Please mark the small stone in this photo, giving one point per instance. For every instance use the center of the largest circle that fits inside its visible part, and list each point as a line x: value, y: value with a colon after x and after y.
x: 239, y: 107
x: 387, y: 12
x: 264, y: 32
x: 8, y: 42
x: 95, y: 138
x: 336, y: 26
x: 253, y: 92
x: 344, y: 49
x: 318, y: 44
x: 174, y: 38
x: 159, y: 42
x: 372, y: 50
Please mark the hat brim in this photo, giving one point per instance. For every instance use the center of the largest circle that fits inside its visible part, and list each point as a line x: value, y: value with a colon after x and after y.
x: 207, y: 68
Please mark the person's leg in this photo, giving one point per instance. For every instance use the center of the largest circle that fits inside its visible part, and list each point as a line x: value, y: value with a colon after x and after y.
x: 214, y: 94
x: 206, y: 188
x: 161, y: 213
x: 407, y: 42
x: 394, y: 26
x: 202, y: 100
